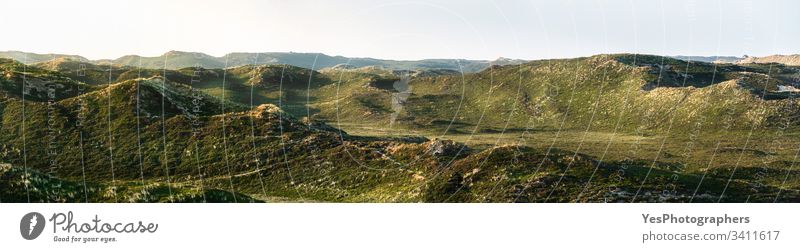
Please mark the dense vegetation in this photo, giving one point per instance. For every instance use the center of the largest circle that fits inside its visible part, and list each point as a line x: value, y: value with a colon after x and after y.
x: 606, y: 128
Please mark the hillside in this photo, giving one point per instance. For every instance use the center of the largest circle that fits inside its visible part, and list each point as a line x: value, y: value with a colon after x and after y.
x: 606, y: 128
x: 37, y: 84
x: 85, y: 72
x: 552, y: 93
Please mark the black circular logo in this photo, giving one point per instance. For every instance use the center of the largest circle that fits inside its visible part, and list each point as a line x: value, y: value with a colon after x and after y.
x: 31, y: 225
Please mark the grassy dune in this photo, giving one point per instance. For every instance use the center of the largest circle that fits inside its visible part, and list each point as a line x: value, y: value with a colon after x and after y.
x: 606, y: 128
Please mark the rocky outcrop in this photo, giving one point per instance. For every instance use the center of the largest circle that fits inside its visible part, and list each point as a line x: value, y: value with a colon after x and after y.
x: 439, y: 147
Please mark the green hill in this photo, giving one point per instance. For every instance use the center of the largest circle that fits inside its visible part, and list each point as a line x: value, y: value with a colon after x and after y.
x: 85, y: 72
x: 170, y: 60
x: 33, y: 58
x: 606, y: 128
x: 37, y: 84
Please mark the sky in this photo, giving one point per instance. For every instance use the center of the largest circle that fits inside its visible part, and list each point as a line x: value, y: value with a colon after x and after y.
x: 403, y: 30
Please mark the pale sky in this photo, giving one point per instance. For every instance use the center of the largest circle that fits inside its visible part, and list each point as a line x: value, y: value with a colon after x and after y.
x: 387, y: 29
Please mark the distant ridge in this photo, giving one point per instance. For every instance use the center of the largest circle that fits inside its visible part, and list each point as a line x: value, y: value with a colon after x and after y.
x: 177, y: 59
x: 709, y: 59
x: 789, y: 60
x: 33, y: 58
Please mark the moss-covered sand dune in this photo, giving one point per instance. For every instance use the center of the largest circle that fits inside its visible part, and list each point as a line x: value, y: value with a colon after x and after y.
x: 606, y: 128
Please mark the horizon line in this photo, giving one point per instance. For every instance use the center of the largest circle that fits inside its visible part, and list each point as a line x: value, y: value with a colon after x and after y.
x: 367, y: 57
